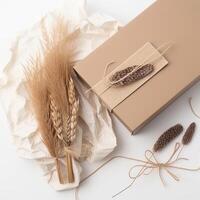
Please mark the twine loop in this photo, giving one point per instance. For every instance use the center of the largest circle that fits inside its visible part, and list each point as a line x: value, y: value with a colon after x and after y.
x: 152, y: 163
x: 147, y: 166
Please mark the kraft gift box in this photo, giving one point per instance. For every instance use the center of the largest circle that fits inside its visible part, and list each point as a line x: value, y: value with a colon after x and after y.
x: 174, y: 22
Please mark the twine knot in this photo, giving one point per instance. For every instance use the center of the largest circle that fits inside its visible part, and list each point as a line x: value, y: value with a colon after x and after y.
x: 150, y: 163
x: 147, y: 166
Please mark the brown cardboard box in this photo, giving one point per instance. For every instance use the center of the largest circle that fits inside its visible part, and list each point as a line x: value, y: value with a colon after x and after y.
x: 177, y: 21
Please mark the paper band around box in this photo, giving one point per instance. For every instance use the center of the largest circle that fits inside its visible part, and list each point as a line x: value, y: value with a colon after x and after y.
x: 113, y: 96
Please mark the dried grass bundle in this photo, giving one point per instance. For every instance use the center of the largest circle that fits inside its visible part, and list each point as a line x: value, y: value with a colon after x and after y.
x: 53, y: 94
x: 167, y: 137
x: 189, y: 134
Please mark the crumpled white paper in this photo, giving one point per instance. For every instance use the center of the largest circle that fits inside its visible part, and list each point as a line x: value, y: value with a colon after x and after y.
x: 96, y: 138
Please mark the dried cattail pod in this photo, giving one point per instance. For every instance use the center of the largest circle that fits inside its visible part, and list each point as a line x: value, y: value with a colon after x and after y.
x: 117, y: 79
x: 189, y: 134
x: 167, y: 137
x: 120, y: 74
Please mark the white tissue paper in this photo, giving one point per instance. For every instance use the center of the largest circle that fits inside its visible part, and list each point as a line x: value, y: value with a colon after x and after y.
x: 96, y: 138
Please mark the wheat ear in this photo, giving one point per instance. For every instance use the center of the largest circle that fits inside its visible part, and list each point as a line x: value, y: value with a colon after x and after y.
x: 74, y: 108
x: 70, y: 125
x: 56, y: 118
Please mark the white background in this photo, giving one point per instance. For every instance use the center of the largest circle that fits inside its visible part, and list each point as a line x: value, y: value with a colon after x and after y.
x: 22, y: 179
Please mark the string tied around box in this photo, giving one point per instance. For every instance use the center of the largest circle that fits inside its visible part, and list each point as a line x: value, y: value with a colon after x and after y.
x: 131, y: 73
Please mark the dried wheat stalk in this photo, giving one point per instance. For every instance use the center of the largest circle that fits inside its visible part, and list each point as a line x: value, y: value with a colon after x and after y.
x: 53, y: 73
x: 41, y: 104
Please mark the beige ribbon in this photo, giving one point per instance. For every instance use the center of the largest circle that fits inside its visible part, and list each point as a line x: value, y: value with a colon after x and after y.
x: 148, y: 165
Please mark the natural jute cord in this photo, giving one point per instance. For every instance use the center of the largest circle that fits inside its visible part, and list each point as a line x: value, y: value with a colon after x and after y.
x: 192, y: 109
x: 147, y: 166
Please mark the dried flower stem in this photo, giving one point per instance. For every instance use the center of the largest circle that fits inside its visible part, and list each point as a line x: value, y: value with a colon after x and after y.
x: 70, y: 171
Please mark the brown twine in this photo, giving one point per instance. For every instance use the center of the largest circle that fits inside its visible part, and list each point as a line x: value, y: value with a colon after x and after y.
x: 192, y: 109
x: 101, y: 166
x: 148, y: 165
